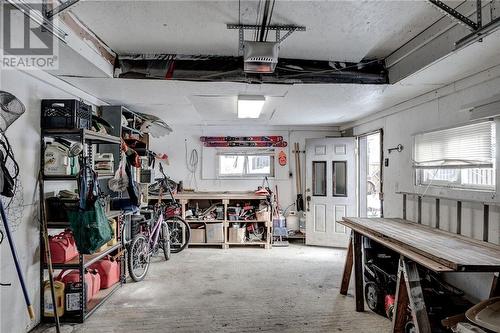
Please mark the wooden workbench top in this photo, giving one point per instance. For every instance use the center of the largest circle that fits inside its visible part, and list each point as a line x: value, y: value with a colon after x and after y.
x: 458, y: 253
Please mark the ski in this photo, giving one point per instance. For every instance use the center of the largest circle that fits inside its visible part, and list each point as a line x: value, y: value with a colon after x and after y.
x: 244, y: 144
x: 272, y: 138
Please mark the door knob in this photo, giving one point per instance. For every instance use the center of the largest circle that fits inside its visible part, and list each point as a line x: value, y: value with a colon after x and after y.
x: 308, y: 199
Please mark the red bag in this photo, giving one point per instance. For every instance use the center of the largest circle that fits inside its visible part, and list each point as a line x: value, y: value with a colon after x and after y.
x: 73, y: 276
x: 109, y: 271
x: 62, y: 247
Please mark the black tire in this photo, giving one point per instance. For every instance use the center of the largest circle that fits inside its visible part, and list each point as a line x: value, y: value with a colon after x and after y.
x: 139, y: 258
x: 180, y: 233
x: 410, y: 327
x: 374, y: 298
x: 165, y: 241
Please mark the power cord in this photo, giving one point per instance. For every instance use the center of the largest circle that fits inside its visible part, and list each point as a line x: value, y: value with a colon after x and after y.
x: 191, y: 165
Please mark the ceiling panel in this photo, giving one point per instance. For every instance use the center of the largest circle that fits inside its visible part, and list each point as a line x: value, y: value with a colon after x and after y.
x: 336, y: 30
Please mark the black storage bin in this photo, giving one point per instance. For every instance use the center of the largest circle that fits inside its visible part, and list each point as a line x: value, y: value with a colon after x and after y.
x: 57, y: 209
x: 65, y: 114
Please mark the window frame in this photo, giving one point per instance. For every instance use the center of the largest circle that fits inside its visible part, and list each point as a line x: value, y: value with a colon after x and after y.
x: 245, y: 154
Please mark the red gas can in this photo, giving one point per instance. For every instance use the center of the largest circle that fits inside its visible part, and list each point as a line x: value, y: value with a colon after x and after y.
x: 62, y: 247
x: 109, y: 271
x: 96, y: 281
x: 70, y: 277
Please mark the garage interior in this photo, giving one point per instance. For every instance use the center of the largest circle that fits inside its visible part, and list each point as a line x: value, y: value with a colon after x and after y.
x: 249, y: 166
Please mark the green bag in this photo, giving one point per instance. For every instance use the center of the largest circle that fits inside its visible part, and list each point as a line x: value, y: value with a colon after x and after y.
x: 90, y: 226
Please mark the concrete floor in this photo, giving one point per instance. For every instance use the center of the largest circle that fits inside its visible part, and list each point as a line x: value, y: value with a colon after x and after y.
x: 292, y: 289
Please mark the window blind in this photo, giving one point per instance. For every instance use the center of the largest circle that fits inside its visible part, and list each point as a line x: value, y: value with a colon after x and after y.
x: 468, y: 146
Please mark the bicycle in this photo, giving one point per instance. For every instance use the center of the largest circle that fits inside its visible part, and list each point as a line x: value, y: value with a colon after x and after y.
x: 179, y: 229
x: 147, y: 243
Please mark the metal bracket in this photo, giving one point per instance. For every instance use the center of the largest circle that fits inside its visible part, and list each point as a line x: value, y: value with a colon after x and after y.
x: 462, y: 19
x: 278, y: 28
x: 62, y: 7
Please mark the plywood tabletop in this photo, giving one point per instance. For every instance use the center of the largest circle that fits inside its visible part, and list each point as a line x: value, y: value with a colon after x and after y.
x: 457, y: 252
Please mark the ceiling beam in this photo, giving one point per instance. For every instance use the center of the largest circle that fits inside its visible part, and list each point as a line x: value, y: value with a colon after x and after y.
x: 230, y: 69
x: 447, y: 10
x: 438, y: 41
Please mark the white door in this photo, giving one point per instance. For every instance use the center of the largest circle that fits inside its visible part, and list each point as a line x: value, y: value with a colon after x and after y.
x: 330, y: 190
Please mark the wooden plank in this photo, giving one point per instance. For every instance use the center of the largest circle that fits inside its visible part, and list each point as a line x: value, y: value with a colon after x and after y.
x: 404, y: 206
x: 358, y: 272
x: 346, y: 276
x: 495, y: 286
x: 400, y: 305
x: 419, y: 218
x: 424, y: 261
x: 486, y: 222
x: 416, y: 297
x: 438, y: 213
x: 454, y: 251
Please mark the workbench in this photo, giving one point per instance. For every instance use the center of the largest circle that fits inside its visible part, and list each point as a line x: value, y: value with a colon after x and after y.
x: 439, y: 251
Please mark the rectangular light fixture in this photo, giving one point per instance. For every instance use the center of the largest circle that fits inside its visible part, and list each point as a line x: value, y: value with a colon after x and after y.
x: 250, y: 106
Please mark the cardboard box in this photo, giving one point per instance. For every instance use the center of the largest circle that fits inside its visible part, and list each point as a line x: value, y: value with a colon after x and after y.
x: 197, y: 236
x: 236, y: 235
x: 215, y: 233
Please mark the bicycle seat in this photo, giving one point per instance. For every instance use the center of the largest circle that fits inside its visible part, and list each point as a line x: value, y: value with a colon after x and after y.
x: 138, y: 218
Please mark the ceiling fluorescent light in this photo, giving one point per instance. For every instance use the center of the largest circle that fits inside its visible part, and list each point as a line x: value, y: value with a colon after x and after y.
x: 250, y: 106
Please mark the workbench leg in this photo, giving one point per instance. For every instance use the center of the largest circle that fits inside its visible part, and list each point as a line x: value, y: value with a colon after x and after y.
x: 495, y: 286
x: 346, y: 276
x: 409, y: 292
x: 358, y: 272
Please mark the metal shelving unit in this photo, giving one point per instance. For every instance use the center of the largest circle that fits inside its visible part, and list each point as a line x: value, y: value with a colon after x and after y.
x: 81, y: 262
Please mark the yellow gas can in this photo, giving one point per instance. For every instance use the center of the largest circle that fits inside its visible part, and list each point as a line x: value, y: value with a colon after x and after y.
x: 48, y: 309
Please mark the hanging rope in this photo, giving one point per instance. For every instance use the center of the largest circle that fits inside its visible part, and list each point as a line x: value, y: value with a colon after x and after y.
x: 191, y: 165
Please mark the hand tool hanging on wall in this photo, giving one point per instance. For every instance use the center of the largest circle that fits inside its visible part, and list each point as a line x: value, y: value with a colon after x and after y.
x: 298, y: 179
x: 11, y: 109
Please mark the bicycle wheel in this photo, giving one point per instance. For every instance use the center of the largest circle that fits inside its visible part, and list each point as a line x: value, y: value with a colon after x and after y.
x: 139, y: 258
x: 165, y: 241
x: 180, y: 233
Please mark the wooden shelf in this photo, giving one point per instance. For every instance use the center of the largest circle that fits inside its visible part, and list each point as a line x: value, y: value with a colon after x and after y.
x: 204, y: 221
x: 219, y: 196
x: 248, y: 243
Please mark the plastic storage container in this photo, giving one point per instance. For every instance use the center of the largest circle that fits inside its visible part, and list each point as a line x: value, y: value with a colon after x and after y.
x: 65, y: 114
x: 48, y: 308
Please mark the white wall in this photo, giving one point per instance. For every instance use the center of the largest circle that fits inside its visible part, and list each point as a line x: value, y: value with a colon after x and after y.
x: 174, y: 146
x: 438, y: 109
x: 24, y: 136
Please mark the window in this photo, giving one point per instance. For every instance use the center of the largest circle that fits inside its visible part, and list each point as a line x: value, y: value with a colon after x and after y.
x: 461, y: 157
x: 319, y: 178
x: 246, y: 164
x: 339, y: 178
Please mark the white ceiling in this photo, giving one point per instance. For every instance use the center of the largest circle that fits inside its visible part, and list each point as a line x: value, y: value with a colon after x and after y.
x: 336, y: 30
x: 180, y: 102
